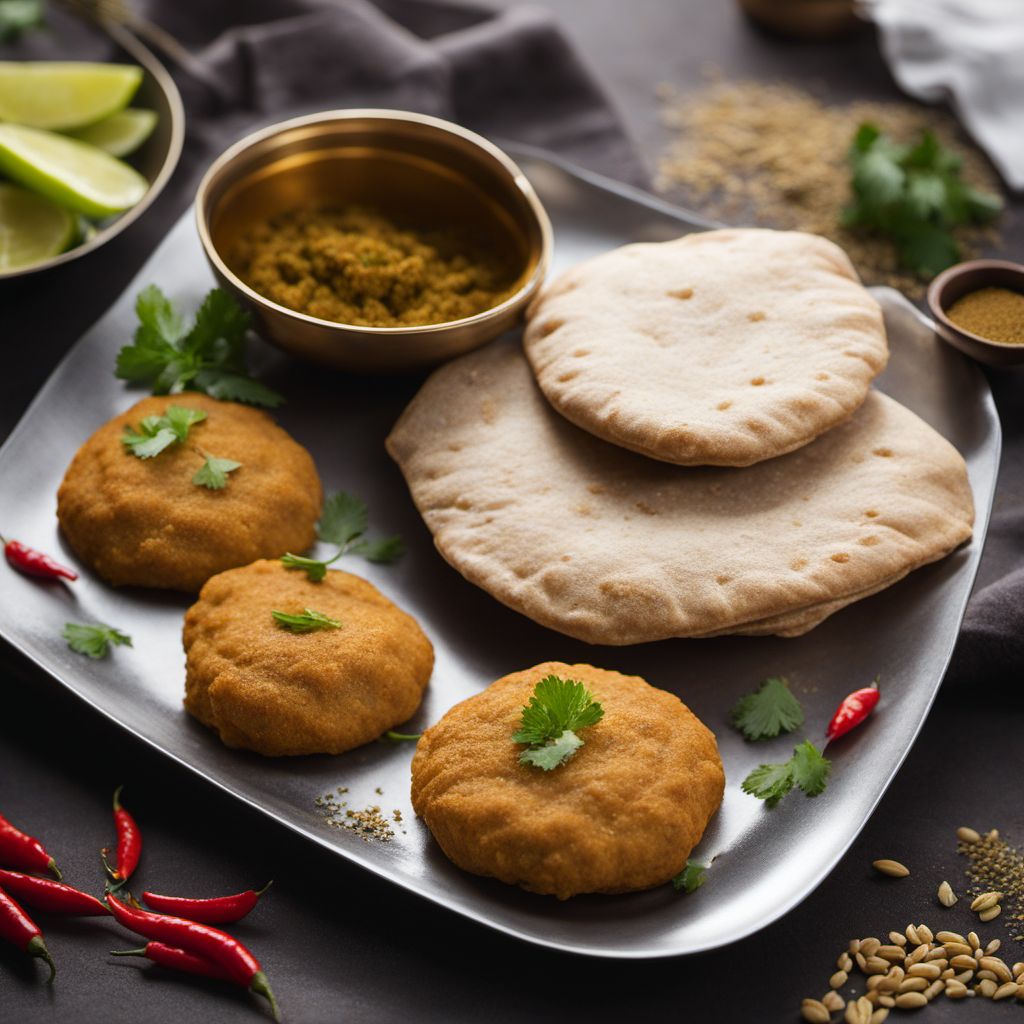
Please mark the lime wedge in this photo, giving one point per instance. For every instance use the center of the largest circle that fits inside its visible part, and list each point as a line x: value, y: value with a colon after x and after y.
x: 121, y: 133
x: 32, y: 229
x: 72, y: 173
x: 61, y: 96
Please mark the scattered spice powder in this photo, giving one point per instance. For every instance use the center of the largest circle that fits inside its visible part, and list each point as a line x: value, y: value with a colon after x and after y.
x: 775, y: 155
x: 993, y: 313
x: 369, y: 823
x: 356, y: 266
x: 994, y: 865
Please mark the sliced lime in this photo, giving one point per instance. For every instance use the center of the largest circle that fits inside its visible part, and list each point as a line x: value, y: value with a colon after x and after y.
x: 121, y: 133
x: 61, y: 96
x: 72, y: 173
x: 32, y: 229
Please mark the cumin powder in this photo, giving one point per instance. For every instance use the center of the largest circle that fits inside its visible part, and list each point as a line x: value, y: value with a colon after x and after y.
x: 993, y: 313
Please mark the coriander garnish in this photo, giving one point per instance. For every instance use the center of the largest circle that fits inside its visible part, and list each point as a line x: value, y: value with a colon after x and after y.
x: 768, y: 711
x: 807, y: 769
x: 401, y: 737
x: 690, y: 878
x: 343, y: 521
x: 94, y: 641
x: 156, y: 433
x: 209, y: 356
x: 307, y: 622
x: 557, y: 708
x: 213, y: 473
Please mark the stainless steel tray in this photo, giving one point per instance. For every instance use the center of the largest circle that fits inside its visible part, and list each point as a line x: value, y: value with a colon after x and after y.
x: 766, y: 860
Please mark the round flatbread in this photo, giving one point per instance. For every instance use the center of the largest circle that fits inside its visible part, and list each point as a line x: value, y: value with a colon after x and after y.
x: 623, y: 813
x: 721, y: 348
x: 614, y: 548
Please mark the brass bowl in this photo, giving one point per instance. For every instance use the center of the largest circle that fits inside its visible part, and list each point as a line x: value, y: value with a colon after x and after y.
x: 957, y: 281
x: 155, y: 159
x: 404, y: 163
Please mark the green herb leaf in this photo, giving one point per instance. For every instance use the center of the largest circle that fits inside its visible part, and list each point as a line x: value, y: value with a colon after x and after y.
x: 307, y: 622
x: 768, y: 711
x: 209, y: 357
x: 692, y: 877
x: 214, y: 473
x: 314, y: 569
x: 156, y: 433
x: 556, y: 709
x: 552, y: 754
x: 807, y: 769
x: 402, y: 737
x: 343, y: 518
x: 915, y: 196
x: 17, y: 16
x: 388, y: 549
x: 94, y: 641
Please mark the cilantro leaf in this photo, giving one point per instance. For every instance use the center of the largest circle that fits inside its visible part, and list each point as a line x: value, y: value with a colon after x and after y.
x: 307, y: 622
x: 768, y: 711
x: 692, y: 877
x: 208, y: 357
x: 17, y: 16
x: 214, y: 473
x: 806, y: 769
x: 157, y: 433
x: 556, y: 709
x: 343, y: 521
x: 554, y: 753
x: 914, y: 195
x: 93, y: 641
x: 810, y: 768
x: 343, y: 518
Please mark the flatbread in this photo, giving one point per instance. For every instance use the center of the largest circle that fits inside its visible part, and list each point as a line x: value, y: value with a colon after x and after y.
x: 614, y: 548
x: 721, y: 348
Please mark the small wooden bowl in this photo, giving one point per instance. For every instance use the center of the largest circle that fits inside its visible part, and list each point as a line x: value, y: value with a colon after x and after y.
x: 956, y: 282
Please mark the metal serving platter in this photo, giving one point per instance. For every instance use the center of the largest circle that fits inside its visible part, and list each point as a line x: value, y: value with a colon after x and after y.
x: 766, y: 861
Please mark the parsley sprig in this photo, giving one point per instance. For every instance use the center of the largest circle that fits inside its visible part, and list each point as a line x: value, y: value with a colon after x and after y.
x: 692, y: 877
x: 343, y: 522
x: 213, y: 473
x: 209, y: 356
x: 807, y: 769
x: 768, y: 711
x: 157, y: 433
x: 94, y: 641
x: 308, y: 622
x: 557, y: 709
x: 915, y: 195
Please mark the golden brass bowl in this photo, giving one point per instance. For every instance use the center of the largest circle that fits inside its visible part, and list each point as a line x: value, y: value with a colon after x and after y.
x: 408, y: 165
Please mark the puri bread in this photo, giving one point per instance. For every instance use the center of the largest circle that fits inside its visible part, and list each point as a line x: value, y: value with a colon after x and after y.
x: 720, y: 348
x: 267, y: 689
x: 622, y: 814
x: 614, y: 548
x: 143, y: 522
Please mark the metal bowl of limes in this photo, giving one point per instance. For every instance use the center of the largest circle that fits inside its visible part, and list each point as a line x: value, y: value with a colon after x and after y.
x: 84, y: 150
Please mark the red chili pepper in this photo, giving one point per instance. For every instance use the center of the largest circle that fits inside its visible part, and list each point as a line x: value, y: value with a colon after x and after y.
x: 18, y: 850
x: 853, y: 710
x: 36, y: 563
x: 201, y: 940
x: 20, y: 930
x: 46, y: 894
x: 177, y: 959
x: 129, y: 843
x: 222, y: 910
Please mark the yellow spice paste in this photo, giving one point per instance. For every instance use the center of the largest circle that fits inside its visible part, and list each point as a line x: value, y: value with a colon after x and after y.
x: 353, y: 265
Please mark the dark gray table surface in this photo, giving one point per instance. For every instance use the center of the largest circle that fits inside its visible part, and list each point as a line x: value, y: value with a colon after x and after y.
x: 340, y: 945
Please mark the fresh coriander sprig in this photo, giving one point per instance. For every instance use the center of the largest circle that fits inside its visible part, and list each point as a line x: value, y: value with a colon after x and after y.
x: 768, y: 711
x: 94, y: 641
x: 308, y: 622
x: 157, y: 433
x: 808, y: 769
x: 402, y: 737
x: 556, y: 710
x: 213, y: 473
x: 343, y: 522
x: 692, y: 877
x: 209, y: 356
x: 17, y: 16
x: 915, y: 195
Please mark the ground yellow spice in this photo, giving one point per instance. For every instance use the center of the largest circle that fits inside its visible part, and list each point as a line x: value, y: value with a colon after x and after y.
x: 993, y: 313
x: 356, y: 266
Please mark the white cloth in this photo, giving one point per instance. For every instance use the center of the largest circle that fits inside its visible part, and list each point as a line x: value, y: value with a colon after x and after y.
x: 971, y: 51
